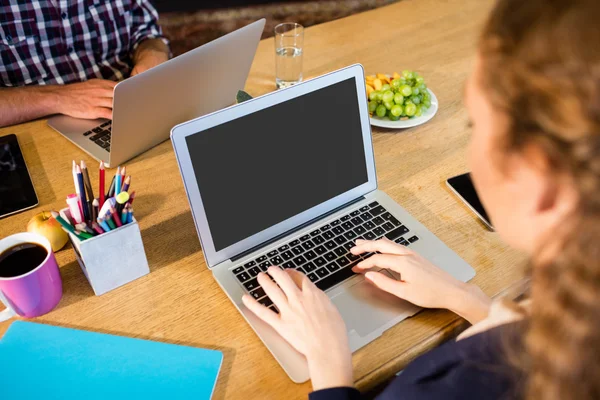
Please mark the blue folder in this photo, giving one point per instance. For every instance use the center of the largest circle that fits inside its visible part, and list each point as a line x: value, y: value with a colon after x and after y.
x: 47, y: 362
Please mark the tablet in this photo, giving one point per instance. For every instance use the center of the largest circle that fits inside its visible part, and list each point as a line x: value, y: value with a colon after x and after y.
x: 462, y: 186
x: 16, y: 189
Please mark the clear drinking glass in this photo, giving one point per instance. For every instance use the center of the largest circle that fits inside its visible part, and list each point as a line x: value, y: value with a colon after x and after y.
x: 289, y: 40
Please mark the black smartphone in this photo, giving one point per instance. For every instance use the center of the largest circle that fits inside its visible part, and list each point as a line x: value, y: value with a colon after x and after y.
x: 462, y: 186
x: 16, y: 189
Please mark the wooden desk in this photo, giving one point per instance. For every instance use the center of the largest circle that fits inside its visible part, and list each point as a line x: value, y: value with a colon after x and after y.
x: 179, y: 302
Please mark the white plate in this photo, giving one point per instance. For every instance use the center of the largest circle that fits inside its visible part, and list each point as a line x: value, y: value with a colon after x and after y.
x: 411, y: 122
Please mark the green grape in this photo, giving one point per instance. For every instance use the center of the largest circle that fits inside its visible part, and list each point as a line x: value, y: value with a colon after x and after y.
x: 416, y: 90
x: 385, y: 88
x: 407, y: 74
x: 420, y: 80
x: 396, y: 110
x: 422, y: 87
x: 393, y: 117
x: 381, y: 111
x: 396, y: 84
x: 406, y: 90
x: 388, y: 96
x: 398, y: 98
x: 419, y: 111
x: 373, y: 95
x: 379, y: 96
x: 388, y: 104
x: 424, y: 108
x: 416, y: 99
x: 372, y: 106
x: 410, y: 109
x: 427, y: 103
x: 402, y: 81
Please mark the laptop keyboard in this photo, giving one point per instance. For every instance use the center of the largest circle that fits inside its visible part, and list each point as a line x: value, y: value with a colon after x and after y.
x: 324, y: 254
x: 101, y: 135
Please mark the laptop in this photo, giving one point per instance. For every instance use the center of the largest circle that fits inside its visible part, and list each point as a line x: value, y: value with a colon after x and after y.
x: 288, y: 179
x: 148, y: 105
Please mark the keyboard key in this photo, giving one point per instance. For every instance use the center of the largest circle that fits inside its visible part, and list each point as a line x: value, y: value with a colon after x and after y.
x: 243, y: 277
x: 328, y: 235
x: 249, y: 264
x: 304, y: 238
x: 387, y: 226
x: 319, y: 262
x: 335, y: 278
x: 354, y: 213
x: 370, y: 236
x: 394, y: 221
x: 377, y: 210
x: 97, y: 129
x: 338, y: 230
x: 332, y: 267
x: 107, y: 149
x: 402, y: 241
x: 396, y: 233
x: 238, y: 270
x: 88, y: 133
x: 340, y: 240
x: 272, y: 253
x: 318, y: 240
x: 350, y: 235
x: 356, y: 221
x: 359, y: 230
x: 254, y: 271
x: 264, y: 266
x: 369, y: 225
x: 349, y: 245
x: 365, y: 208
x: 99, y: 135
x: 258, y: 293
x: 345, y: 218
x: 378, y: 231
x: 261, y: 259
x: 313, y: 277
x: 283, y: 248
x: 288, y: 264
x: 294, y: 243
x: 352, y: 257
x: 342, y: 262
x: 315, y: 232
x: 274, y: 309
x: 340, y: 251
x: 325, y: 227
x: 251, y: 284
x: 105, y: 145
x: 265, y: 301
x: 322, y: 273
x: 298, y: 250
x: 347, y: 225
x: 373, y: 204
x: 366, y: 216
x: 310, y: 267
x: 330, y: 245
x: 287, y: 255
x: 107, y: 123
x: 299, y: 260
x: 308, y: 245
x: 386, y: 216
x: 276, y: 260
x: 413, y: 239
x: 378, y: 220
x: 310, y: 255
x: 321, y: 250
x: 335, y: 223
x: 300, y: 269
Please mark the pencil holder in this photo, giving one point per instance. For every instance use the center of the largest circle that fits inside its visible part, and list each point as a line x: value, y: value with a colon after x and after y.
x: 111, y: 259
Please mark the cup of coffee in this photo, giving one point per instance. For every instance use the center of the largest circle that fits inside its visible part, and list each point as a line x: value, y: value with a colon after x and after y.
x: 30, y: 283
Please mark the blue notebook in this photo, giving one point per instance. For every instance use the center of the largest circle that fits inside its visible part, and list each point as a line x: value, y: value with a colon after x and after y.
x: 47, y: 362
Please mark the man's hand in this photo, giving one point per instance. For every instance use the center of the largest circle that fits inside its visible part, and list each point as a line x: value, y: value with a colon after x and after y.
x: 149, y: 54
x: 89, y: 100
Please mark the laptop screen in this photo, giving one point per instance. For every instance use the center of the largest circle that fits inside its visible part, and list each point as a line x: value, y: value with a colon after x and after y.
x: 263, y: 168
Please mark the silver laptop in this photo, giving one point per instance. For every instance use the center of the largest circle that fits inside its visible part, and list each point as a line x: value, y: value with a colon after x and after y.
x: 148, y: 105
x: 288, y: 179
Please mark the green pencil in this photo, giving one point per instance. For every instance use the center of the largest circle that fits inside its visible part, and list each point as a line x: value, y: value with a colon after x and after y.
x: 67, y: 226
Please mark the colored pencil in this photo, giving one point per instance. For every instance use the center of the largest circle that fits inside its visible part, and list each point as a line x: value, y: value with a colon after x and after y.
x: 101, y: 183
x: 88, y: 185
x: 73, y: 204
x: 130, y: 215
x: 84, y: 204
x: 104, y: 225
x: 97, y: 228
x: 131, y: 197
x: 126, y: 183
x: 118, y: 181
x: 95, y: 209
x: 66, y: 225
x: 110, y: 222
x: 85, y: 235
x: 111, y: 188
x: 115, y: 216
x: 76, y: 183
x: 124, y: 216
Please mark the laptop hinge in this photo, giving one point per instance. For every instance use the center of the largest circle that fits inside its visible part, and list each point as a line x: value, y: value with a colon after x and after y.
x: 300, y: 227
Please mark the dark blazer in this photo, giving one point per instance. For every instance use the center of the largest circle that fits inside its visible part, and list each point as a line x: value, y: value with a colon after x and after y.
x: 473, y: 368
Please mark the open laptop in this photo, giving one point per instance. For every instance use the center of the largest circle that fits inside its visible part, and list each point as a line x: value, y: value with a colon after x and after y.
x: 148, y: 105
x: 288, y: 179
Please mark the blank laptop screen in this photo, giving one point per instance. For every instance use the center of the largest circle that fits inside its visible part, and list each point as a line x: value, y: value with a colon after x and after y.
x: 263, y: 168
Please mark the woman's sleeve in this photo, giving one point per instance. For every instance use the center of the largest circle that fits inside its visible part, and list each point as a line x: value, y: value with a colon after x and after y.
x: 338, y: 393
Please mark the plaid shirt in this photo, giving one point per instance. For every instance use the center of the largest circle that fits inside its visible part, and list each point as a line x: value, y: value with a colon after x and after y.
x: 62, y: 41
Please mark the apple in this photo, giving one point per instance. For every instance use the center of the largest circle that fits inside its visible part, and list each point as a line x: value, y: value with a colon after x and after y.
x: 45, y: 225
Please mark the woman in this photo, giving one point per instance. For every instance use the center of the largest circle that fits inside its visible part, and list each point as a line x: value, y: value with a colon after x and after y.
x: 534, y: 103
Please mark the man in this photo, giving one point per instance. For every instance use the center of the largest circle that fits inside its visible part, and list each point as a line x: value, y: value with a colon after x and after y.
x: 59, y: 57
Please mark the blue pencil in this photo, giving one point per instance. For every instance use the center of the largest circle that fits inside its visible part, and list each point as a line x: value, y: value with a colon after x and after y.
x: 104, y: 225
x: 130, y: 215
x: 118, y: 182
x: 84, y: 204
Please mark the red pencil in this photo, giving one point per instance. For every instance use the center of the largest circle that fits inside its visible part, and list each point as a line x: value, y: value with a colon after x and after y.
x: 115, y: 216
x: 131, y: 198
x: 101, y: 184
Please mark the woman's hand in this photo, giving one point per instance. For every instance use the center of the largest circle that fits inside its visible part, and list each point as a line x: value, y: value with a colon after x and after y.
x: 421, y: 282
x: 309, y: 321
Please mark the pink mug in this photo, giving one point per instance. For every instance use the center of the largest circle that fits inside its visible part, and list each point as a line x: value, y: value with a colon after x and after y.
x: 38, y: 289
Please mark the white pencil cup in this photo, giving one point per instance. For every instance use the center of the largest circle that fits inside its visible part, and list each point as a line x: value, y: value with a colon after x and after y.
x: 113, y: 258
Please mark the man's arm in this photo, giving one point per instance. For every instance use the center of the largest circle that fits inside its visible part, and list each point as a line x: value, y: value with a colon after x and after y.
x: 148, y: 54
x: 149, y: 46
x: 90, y: 100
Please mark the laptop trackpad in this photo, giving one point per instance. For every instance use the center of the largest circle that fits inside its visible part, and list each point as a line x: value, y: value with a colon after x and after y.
x: 366, y: 308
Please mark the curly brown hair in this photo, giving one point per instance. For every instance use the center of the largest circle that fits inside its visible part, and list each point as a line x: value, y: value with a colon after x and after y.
x: 541, y: 67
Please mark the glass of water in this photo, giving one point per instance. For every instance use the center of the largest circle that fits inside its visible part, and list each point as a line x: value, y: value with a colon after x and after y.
x: 289, y: 40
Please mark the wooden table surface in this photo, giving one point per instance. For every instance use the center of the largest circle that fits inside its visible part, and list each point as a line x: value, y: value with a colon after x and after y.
x: 179, y: 301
